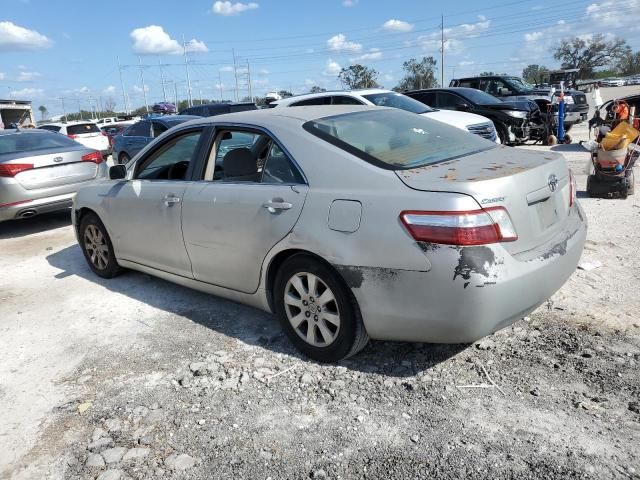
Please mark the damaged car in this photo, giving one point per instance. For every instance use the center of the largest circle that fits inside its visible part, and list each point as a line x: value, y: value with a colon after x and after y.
x: 347, y: 222
x: 511, y: 118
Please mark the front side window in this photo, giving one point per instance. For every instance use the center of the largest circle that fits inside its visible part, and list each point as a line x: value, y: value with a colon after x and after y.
x: 449, y: 101
x: 140, y: 129
x: 243, y: 156
x: 345, y: 100
x: 397, y: 100
x: 396, y: 140
x: 171, y: 160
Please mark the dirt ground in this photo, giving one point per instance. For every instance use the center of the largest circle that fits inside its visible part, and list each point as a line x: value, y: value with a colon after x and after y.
x: 138, y: 378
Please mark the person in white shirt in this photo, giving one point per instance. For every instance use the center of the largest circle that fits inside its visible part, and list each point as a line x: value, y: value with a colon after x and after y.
x: 596, y: 97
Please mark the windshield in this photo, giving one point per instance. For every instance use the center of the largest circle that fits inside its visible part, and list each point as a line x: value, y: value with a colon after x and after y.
x: 396, y: 140
x: 28, y: 142
x: 480, y: 98
x: 519, y: 84
x: 398, y: 100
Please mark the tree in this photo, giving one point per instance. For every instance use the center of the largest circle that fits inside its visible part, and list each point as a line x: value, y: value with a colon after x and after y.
x: 358, y: 76
x: 317, y: 89
x: 43, y: 111
x: 419, y: 74
x: 629, y: 64
x: 535, y: 74
x: 487, y: 74
x: 587, y: 54
x: 109, y: 104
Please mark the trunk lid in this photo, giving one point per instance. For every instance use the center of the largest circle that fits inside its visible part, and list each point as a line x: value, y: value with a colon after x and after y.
x: 522, y: 181
x: 55, y: 168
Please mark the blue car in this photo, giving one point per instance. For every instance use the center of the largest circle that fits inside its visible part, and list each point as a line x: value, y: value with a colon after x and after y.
x: 138, y: 135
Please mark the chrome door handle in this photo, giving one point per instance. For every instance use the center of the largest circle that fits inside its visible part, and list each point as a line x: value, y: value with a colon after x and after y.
x: 276, y: 205
x: 171, y: 200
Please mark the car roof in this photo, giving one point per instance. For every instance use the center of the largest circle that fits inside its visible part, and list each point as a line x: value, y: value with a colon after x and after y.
x: 23, y: 130
x: 171, y: 118
x: 329, y: 93
x: 63, y: 124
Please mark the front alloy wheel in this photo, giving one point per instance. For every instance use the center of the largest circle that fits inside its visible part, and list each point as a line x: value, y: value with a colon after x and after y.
x: 312, y: 309
x: 96, y: 247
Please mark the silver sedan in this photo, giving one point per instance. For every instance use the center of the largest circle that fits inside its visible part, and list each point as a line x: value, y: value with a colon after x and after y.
x: 41, y: 171
x: 348, y: 223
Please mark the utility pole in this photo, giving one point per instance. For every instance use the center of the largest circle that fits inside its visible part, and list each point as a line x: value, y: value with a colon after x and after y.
x: 442, y: 51
x: 235, y: 72
x: 144, y: 88
x: 220, y: 84
x: 64, y: 111
x: 175, y: 90
x: 124, y: 93
x: 249, y: 80
x: 164, y: 92
x: 186, y: 66
x: 79, y: 108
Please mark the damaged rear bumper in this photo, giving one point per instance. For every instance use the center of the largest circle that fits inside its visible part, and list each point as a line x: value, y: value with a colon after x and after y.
x: 468, y: 292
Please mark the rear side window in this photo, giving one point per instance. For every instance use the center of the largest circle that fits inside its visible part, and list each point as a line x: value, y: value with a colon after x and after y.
x: 313, y: 101
x: 470, y: 83
x: 51, y: 128
x: 81, y: 128
x: 428, y: 98
x: 344, y: 100
x: 396, y: 139
x: 140, y: 129
x: 448, y: 100
x: 28, y: 142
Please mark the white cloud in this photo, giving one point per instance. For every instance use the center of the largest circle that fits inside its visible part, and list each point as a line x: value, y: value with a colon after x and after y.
x: 153, y: 40
x: 227, y: 68
x: 339, y: 43
x: 453, y: 36
x: 138, y: 89
x: 228, y: 8
x: 264, y: 71
x: 110, y: 90
x: 2, y: 76
x: 394, y: 25
x: 27, y: 76
x: 14, y: 37
x: 372, y: 54
x: 27, y: 93
x: 466, y: 63
x: 350, y: 3
x: 533, y: 36
x: 77, y: 91
x: 332, y: 68
x: 608, y: 14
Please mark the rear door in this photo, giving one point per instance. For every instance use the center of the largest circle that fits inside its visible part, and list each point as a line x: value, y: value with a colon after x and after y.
x: 250, y: 198
x: 428, y: 98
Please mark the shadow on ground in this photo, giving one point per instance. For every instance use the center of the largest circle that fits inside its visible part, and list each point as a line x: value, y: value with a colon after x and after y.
x: 245, y: 323
x: 37, y: 224
x: 572, y: 147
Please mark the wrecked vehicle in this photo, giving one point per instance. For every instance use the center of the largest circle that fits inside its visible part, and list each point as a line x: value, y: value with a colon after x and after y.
x: 347, y: 222
x: 511, y: 119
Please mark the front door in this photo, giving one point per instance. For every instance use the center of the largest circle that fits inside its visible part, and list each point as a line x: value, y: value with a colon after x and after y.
x: 250, y: 198
x: 145, y: 212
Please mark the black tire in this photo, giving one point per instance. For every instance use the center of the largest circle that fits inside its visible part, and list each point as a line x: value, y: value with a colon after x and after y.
x: 101, y: 260
x: 502, y: 134
x: 632, y: 183
x: 589, y: 192
x: 350, y: 337
x: 123, y: 158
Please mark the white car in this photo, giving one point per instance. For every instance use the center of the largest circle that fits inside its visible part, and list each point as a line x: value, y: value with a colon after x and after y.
x: 83, y: 132
x: 101, y: 122
x: 613, y: 82
x: 469, y: 122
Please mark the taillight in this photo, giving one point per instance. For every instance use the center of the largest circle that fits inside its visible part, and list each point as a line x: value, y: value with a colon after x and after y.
x: 72, y: 136
x: 572, y: 189
x: 474, y: 227
x: 95, y: 157
x: 12, y: 169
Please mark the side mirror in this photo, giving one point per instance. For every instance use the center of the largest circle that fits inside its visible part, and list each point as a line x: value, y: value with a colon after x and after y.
x: 117, y: 172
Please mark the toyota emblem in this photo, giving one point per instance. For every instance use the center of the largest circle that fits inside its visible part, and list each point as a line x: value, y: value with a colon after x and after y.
x: 57, y: 159
x: 553, y: 182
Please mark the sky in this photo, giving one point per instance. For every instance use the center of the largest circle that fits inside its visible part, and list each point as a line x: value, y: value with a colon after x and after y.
x: 55, y: 51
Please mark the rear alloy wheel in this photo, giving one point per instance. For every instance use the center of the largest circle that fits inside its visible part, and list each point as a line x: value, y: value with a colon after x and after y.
x: 317, y: 310
x: 97, y: 248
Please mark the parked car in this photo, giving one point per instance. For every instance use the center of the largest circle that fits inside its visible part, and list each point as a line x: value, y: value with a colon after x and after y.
x: 41, y: 171
x: 511, y: 119
x: 211, y: 109
x: 101, y: 122
x: 86, y: 133
x: 112, y: 130
x: 613, y: 82
x: 126, y: 145
x: 386, y: 98
x: 295, y: 211
x: 512, y: 88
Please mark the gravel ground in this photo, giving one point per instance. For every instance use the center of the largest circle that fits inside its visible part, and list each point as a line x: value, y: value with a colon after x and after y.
x: 139, y: 378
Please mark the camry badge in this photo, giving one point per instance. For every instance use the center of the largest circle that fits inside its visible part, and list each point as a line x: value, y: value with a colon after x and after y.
x: 553, y: 182
x: 57, y: 159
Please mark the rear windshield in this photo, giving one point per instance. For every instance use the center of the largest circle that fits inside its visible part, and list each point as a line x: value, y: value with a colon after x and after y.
x: 51, y: 128
x: 31, y: 141
x: 81, y: 128
x: 396, y: 140
x: 398, y: 100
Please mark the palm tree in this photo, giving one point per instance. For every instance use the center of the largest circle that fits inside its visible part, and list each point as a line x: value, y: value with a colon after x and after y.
x: 43, y: 111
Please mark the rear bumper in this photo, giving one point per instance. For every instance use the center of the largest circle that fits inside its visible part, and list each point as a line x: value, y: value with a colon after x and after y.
x: 36, y: 207
x: 468, y: 292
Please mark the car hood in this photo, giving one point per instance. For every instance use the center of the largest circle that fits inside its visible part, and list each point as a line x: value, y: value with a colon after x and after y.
x: 515, y: 105
x: 460, y: 120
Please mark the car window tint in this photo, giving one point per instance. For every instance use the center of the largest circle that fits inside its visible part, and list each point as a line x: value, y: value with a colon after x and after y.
x: 467, y: 83
x: 492, y: 85
x: 158, y: 129
x: 27, y: 142
x: 172, y: 160
x: 312, y: 101
x: 237, y: 154
x: 278, y: 168
x: 448, y: 100
x: 82, y: 128
x: 428, y: 98
x: 51, y: 128
x: 344, y: 100
x: 140, y: 129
